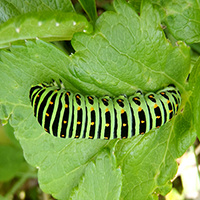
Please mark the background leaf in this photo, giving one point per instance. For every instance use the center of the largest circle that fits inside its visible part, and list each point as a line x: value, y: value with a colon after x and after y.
x: 48, y: 25
x: 127, y: 52
x: 181, y: 17
x: 195, y: 97
x: 14, y: 170
x: 10, y: 163
x: 12, y: 8
x: 90, y: 8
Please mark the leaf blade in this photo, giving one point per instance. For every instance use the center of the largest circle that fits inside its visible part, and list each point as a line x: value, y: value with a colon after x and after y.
x: 12, y: 8
x: 47, y: 25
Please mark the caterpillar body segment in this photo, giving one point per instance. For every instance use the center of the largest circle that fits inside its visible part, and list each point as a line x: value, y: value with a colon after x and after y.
x: 72, y: 115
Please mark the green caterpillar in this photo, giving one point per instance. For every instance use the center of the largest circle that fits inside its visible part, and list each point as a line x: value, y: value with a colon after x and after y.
x: 64, y: 114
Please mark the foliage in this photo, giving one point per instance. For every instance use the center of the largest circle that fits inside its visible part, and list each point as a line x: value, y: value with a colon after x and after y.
x: 124, y: 53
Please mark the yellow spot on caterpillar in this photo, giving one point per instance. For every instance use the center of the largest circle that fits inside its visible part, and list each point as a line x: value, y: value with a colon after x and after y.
x: 91, y: 108
x: 142, y: 133
x: 176, y: 105
x: 90, y: 137
x: 66, y: 106
x: 67, y: 93
x: 142, y: 121
x: 55, y: 90
x: 119, y: 100
x: 46, y: 130
x: 90, y: 97
x: 139, y: 109
x: 150, y: 96
x: 122, y: 111
x: 92, y: 123
x: 158, y: 117
x: 79, y: 108
x: 157, y: 126
x: 38, y: 95
x: 76, y: 136
x: 77, y: 97
x: 106, y: 138
x: 170, y: 111
x: 47, y: 114
x: 124, y: 137
x: 78, y: 122
x: 162, y: 93
x: 106, y: 109
x: 136, y: 98
x: 104, y: 99
x: 51, y: 102
x: 168, y: 101
x: 62, y: 135
x: 124, y: 124
x: 64, y: 122
x: 107, y: 125
x: 155, y: 105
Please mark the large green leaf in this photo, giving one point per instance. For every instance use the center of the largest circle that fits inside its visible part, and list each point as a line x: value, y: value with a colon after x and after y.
x: 12, y: 8
x: 127, y: 52
x: 47, y: 25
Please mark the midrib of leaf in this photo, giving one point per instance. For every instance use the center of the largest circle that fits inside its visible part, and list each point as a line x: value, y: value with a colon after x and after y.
x: 15, y: 104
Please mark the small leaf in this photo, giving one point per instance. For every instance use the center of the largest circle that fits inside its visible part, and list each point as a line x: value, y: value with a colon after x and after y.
x: 90, y: 8
x: 101, y: 180
x: 46, y: 25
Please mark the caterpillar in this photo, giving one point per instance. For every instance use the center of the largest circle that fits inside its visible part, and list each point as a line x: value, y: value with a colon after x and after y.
x: 71, y: 115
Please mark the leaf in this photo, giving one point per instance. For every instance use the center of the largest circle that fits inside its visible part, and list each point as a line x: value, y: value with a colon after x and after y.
x: 101, y: 180
x: 11, y: 155
x: 183, y: 19
x: 11, y: 161
x: 194, y: 81
x: 126, y: 52
x: 148, y: 163
x: 7, y: 136
x: 12, y: 8
x: 47, y: 25
x: 136, y: 4
x: 4, y: 198
x: 90, y: 8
